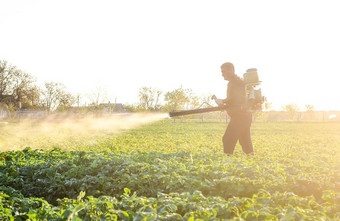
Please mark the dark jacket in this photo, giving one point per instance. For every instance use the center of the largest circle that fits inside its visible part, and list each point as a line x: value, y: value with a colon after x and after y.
x: 236, y: 96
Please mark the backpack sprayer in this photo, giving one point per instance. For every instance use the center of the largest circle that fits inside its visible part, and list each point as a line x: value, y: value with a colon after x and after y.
x: 251, y: 80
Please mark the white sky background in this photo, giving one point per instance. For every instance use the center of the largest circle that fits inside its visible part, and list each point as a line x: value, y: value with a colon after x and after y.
x: 125, y: 45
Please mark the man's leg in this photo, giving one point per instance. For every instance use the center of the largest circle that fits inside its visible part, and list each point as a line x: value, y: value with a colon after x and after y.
x: 245, y: 141
x: 231, y: 136
x: 245, y: 137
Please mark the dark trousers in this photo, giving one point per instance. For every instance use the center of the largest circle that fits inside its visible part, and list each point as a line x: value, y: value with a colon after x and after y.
x: 238, y: 130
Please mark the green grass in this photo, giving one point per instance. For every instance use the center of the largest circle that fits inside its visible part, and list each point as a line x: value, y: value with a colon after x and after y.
x: 177, y: 171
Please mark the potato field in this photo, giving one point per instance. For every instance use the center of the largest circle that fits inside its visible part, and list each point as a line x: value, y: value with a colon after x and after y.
x: 170, y: 170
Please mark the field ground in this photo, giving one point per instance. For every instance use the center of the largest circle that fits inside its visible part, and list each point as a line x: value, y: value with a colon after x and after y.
x: 175, y: 171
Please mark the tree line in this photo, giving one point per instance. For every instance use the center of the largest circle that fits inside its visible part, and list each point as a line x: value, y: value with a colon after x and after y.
x: 177, y: 99
x: 18, y: 91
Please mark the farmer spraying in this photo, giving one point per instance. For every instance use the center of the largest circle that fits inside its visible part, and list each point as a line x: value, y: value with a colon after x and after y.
x: 240, y: 118
x: 242, y: 99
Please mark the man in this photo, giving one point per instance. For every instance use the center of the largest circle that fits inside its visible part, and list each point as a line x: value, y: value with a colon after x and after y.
x: 238, y: 103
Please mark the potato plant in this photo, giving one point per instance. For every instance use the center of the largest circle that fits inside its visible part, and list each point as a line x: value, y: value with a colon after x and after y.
x: 177, y: 171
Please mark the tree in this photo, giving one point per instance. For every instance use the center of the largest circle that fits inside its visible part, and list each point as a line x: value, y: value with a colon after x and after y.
x: 194, y: 101
x: 22, y: 83
x: 309, y: 108
x: 15, y: 85
x: 158, y: 93
x: 176, y: 99
x: 149, y: 98
x: 146, y: 98
x: 33, y: 97
x: 66, y: 100
x: 6, y: 78
x: 97, y: 96
x: 292, y: 110
x: 310, y: 111
x: 56, y: 97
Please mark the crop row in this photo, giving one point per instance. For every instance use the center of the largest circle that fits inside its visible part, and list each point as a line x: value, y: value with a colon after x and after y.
x: 57, y: 174
x: 173, y: 206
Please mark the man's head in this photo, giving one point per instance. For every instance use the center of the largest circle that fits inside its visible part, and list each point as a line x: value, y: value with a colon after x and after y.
x: 227, y: 70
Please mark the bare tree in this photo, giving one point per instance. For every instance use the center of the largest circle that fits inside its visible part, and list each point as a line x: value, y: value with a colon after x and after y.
x: 310, y: 111
x: 149, y: 98
x: 97, y: 96
x: 66, y: 100
x: 309, y: 108
x: 55, y: 96
x: 292, y: 110
x: 158, y: 94
x: 146, y: 97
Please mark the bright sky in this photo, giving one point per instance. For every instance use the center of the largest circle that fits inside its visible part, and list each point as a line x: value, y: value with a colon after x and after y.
x: 125, y: 45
